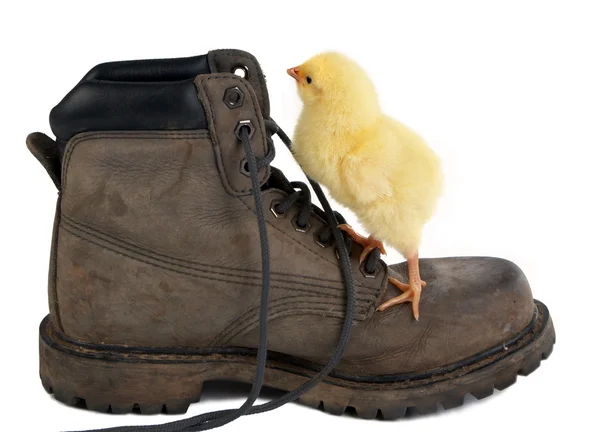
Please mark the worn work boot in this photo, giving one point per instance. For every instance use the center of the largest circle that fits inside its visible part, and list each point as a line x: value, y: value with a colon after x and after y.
x: 159, y: 277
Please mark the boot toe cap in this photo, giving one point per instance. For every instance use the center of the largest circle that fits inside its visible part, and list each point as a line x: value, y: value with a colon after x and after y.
x: 470, y: 304
x: 489, y: 298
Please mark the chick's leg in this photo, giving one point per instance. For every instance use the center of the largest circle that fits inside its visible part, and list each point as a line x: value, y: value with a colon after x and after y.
x: 368, y: 243
x: 411, y: 291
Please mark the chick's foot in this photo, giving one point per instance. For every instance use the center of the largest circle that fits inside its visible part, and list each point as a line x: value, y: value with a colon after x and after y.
x: 368, y: 243
x: 411, y: 293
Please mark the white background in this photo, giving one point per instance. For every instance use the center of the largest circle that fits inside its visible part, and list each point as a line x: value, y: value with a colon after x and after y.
x: 506, y: 92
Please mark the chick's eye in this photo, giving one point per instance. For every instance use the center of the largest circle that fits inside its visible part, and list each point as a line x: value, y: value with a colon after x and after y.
x: 308, y: 80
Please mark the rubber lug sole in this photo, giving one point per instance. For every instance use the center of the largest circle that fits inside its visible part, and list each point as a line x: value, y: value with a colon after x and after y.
x: 150, y: 383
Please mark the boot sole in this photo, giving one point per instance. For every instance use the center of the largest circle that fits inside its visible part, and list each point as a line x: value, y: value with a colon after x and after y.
x: 121, y: 379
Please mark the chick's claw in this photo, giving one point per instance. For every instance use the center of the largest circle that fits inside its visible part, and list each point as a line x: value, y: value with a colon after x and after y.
x: 411, y: 293
x: 368, y: 243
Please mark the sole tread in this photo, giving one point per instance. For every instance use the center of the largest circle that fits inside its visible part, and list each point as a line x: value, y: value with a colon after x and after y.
x: 309, y: 401
x: 334, y: 408
x: 367, y: 413
x: 483, y: 391
x: 427, y: 409
x: 334, y: 398
x: 393, y: 413
x: 453, y: 401
x: 449, y: 401
x: 65, y: 397
x: 121, y: 408
x: 530, y: 365
x: 97, y: 405
x: 179, y: 407
x: 151, y: 409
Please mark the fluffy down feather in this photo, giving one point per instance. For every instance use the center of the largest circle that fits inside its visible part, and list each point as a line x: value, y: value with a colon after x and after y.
x: 369, y: 162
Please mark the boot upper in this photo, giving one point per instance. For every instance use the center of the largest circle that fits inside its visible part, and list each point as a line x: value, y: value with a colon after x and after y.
x: 156, y: 241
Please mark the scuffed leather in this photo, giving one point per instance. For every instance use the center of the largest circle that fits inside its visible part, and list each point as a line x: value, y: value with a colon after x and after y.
x: 52, y: 271
x: 226, y: 60
x: 222, y: 122
x: 153, y: 250
x: 470, y: 304
x: 47, y: 153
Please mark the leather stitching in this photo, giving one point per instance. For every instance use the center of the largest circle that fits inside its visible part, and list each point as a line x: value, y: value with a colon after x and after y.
x: 245, y: 323
x: 409, y: 349
x: 249, y: 319
x: 55, y: 307
x: 87, y: 136
x: 211, y: 111
x: 69, y: 224
x: 305, y: 247
x: 130, y: 135
x: 263, y: 89
x: 293, y: 239
x: 215, y: 137
x: 135, y: 248
x: 283, y: 311
x: 165, y: 265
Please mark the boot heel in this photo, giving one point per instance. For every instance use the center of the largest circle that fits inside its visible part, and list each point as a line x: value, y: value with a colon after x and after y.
x: 115, y: 386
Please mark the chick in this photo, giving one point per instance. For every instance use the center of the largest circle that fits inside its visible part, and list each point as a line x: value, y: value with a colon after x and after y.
x: 368, y: 161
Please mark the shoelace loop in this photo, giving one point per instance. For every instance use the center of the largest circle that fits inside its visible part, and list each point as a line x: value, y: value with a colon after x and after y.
x: 325, y: 236
x: 304, y: 197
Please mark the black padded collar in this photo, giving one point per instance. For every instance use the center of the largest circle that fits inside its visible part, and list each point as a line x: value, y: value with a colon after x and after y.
x: 133, y: 95
x: 178, y: 69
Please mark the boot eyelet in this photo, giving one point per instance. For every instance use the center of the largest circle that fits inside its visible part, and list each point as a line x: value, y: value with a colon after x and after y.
x: 298, y: 227
x: 244, y: 167
x: 241, y: 71
x: 275, y: 212
x: 233, y: 97
x: 317, y: 241
x: 365, y: 273
x: 244, y: 124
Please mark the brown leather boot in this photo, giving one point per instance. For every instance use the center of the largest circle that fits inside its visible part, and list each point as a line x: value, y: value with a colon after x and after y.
x: 159, y: 276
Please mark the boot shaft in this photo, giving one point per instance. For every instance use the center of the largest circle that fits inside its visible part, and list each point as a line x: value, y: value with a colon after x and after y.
x: 155, y: 240
x: 149, y: 94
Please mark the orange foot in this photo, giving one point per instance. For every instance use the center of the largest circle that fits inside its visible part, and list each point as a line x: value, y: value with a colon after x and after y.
x: 411, y: 293
x: 368, y: 243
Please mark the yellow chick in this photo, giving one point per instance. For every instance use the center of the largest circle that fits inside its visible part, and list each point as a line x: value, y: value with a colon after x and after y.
x: 368, y: 161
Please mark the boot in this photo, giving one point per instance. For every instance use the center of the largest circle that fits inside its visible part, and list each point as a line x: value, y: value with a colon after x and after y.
x: 159, y: 277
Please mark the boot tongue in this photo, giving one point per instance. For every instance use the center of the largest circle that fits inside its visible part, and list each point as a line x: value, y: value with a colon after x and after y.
x: 243, y: 64
x: 277, y: 180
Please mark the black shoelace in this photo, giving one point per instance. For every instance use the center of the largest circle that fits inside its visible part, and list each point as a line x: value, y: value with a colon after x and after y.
x: 216, y: 419
x: 325, y: 236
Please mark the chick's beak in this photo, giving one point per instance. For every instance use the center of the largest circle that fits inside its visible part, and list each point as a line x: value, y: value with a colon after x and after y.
x: 294, y: 73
